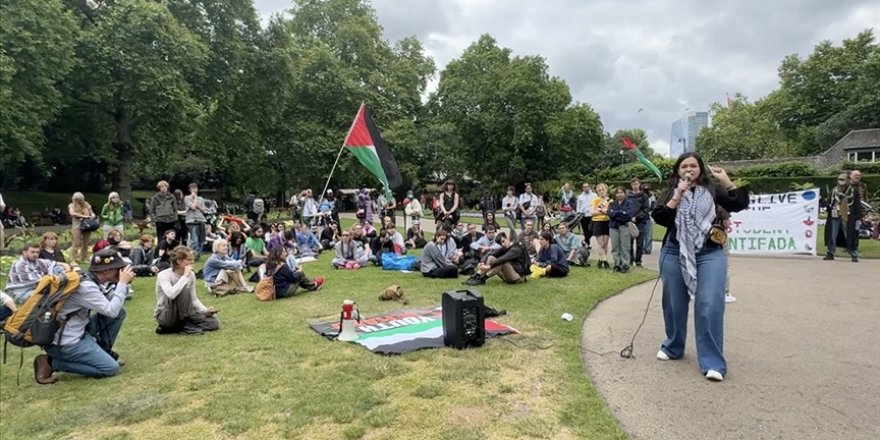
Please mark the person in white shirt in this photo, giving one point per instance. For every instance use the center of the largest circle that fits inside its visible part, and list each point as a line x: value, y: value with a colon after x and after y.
x: 178, y: 308
x: 585, y: 209
x: 309, y: 207
x: 413, y: 208
x: 528, y: 205
x: 509, y: 205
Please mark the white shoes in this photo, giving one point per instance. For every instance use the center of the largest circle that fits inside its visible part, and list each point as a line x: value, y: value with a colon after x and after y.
x: 661, y: 355
x: 729, y: 299
x: 714, y: 376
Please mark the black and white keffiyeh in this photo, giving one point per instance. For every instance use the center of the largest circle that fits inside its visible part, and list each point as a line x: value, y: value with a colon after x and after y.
x: 693, y: 220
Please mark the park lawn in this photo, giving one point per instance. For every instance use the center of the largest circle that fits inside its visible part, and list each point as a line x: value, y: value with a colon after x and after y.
x: 266, y: 375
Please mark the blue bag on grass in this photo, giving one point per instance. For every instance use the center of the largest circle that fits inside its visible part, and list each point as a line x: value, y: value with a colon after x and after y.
x: 392, y: 261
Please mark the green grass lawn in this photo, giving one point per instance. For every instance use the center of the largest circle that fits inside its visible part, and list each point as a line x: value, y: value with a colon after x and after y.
x: 266, y: 375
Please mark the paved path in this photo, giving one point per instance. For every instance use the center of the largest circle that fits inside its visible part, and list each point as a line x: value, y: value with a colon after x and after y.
x: 803, y: 349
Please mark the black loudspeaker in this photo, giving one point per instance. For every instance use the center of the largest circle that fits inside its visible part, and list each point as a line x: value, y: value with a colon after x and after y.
x: 464, y: 319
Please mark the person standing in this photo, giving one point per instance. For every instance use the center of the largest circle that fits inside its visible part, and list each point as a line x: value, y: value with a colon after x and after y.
x: 585, y: 209
x: 450, y: 206
x: 843, y: 209
x: 692, y: 260
x: 162, y: 209
x: 195, y: 219
x: 487, y: 204
x: 648, y: 237
x: 413, y: 208
x: 111, y: 215
x: 620, y: 213
x: 641, y: 214
x: 528, y: 205
x: 600, y: 225
x: 79, y: 209
x: 509, y: 206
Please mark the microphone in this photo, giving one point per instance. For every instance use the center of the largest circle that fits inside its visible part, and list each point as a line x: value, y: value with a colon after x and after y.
x: 687, y: 177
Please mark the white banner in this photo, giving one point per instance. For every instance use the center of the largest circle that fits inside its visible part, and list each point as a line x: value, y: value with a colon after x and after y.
x: 784, y: 223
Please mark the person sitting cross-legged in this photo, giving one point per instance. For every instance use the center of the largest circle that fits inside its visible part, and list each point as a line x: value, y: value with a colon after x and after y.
x: 84, y: 345
x: 435, y: 264
x: 511, y: 264
x: 485, y: 245
x: 350, y: 254
x: 142, y: 257
x: 178, y: 309
x: 571, y: 245
x: 415, y: 237
x: 551, y: 257
x: 288, y: 279
x: 222, y: 273
x: 307, y: 241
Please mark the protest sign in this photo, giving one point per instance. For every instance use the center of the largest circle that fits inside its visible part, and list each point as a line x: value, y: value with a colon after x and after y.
x: 783, y: 223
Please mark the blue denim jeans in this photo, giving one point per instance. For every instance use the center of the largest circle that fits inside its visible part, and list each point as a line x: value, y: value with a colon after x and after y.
x: 708, y: 306
x: 196, y: 237
x: 90, y: 356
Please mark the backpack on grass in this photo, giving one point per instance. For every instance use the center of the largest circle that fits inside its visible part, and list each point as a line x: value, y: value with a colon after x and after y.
x: 36, y: 322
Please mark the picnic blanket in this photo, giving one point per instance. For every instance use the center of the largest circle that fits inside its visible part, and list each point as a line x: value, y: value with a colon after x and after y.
x: 403, y: 331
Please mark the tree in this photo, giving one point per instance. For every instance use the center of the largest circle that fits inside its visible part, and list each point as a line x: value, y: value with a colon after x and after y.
x: 744, y: 130
x: 511, y: 115
x: 37, y: 52
x: 136, y: 67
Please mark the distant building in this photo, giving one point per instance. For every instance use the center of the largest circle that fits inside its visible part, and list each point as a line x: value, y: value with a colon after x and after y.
x: 684, y: 132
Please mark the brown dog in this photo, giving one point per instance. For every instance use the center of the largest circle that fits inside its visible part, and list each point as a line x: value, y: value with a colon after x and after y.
x: 393, y: 293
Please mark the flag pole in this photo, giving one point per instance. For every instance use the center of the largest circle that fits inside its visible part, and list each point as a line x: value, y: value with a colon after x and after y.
x: 327, y: 184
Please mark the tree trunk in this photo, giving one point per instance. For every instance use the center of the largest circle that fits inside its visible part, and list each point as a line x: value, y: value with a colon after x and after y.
x: 124, y: 154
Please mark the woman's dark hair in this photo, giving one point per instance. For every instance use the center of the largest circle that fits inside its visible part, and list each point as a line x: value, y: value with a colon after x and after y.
x: 236, y: 239
x: 646, y: 188
x: 289, y: 235
x: 546, y: 235
x: 275, y: 258
x: 450, y: 182
x: 672, y: 180
x: 441, y: 232
x: 493, y: 215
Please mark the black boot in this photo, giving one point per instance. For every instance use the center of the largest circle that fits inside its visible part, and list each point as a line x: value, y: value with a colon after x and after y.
x: 829, y: 257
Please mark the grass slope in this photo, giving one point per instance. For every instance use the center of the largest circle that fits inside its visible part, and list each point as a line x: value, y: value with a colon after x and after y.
x: 266, y: 375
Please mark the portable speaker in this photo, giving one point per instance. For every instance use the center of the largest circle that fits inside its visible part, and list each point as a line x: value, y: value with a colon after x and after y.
x: 464, y: 320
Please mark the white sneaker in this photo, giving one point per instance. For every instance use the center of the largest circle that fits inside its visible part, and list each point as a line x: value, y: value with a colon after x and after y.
x: 714, y: 376
x: 662, y: 355
x: 729, y: 299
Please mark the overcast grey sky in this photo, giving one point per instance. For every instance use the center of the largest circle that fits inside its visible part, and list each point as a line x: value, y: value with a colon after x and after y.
x: 662, y: 56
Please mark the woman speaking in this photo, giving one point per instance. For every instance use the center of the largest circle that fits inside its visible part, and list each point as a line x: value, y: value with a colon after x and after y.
x: 692, y: 261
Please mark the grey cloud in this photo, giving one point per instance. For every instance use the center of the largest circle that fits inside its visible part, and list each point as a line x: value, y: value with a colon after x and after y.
x: 622, y: 56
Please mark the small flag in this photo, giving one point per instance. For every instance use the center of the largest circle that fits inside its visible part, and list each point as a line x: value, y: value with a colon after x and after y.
x: 365, y: 142
x: 631, y: 146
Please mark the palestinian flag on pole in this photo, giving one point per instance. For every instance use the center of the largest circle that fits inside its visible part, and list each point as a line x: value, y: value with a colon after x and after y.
x: 365, y: 142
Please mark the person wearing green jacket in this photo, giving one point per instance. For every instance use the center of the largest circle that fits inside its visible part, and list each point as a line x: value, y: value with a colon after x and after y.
x: 111, y: 215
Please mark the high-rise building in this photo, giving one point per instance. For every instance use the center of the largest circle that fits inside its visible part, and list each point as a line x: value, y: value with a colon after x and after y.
x: 683, y: 137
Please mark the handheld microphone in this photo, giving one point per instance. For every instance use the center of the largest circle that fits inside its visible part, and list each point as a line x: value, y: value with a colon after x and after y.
x: 687, y: 177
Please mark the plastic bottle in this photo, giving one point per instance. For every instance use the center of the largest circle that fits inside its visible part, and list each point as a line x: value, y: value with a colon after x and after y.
x: 47, y: 317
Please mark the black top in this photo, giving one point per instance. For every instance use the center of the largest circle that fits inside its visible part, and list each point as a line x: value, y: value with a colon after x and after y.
x: 731, y: 201
x: 641, y: 206
x: 516, y: 256
x: 54, y: 256
x: 283, y: 278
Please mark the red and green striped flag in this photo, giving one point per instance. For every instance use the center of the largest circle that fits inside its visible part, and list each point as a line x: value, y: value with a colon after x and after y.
x: 365, y: 142
x: 631, y: 146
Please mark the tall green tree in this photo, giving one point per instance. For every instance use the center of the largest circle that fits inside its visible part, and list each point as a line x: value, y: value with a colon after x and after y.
x: 511, y: 115
x: 744, y: 130
x: 36, y: 53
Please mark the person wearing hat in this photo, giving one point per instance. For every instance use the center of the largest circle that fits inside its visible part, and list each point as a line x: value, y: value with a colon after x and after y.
x: 85, y: 344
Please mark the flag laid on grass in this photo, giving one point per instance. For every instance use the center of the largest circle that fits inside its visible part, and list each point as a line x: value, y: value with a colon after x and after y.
x: 631, y: 146
x: 365, y: 142
x: 403, y: 331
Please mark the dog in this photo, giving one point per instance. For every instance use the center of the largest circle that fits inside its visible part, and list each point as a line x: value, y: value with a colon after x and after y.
x: 394, y: 293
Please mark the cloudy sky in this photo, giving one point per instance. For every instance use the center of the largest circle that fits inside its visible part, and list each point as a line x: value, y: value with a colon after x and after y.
x: 661, y: 56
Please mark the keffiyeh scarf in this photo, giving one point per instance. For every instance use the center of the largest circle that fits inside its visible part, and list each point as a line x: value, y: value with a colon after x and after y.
x: 693, y: 219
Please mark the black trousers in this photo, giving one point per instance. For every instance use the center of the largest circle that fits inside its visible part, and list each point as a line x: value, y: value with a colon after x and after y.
x: 442, y: 272
x: 587, y: 228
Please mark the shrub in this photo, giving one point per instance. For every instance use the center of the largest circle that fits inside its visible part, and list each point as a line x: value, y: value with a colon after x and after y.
x: 784, y: 169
